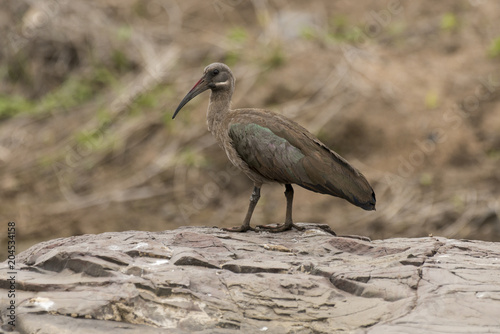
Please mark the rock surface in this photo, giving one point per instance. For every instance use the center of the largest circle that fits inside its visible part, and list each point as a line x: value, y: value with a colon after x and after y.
x: 204, y: 280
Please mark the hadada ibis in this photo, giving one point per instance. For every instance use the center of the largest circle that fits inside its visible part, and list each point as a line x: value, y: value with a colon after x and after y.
x: 269, y: 147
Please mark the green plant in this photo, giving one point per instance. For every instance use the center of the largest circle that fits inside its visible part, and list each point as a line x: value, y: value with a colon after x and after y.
x: 493, y: 154
x: 431, y: 100
x: 95, y: 140
x: 120, y: 62
x: 276, y: 57
x: 17, y: 69
x: 104, y: 117
x: 74, y: 91
x: 340, y: 30
x: 103, y: 76
x: 397, y: 28
x: 351, y: 34
x: 13, y: 105
x: 149, y: 100
x: 88, y: 136
x: 308, y: 32
x: 71, y: 93
x: 338, y: 24
x: 191, y: 158
x: 426, y: 179
x: 449, y: 22
x: 494, y: 48
x: 237, y: 35
x: 232, y: 57
x: 124, y: 33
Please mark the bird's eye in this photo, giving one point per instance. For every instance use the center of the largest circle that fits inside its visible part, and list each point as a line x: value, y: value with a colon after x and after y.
x: 215, y: 72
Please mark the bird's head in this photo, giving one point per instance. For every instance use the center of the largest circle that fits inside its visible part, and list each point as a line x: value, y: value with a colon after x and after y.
x: 216, y: 76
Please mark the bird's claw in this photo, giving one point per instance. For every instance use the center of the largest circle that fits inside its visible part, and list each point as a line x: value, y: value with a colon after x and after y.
x: 241, y: 228
x: 280, y: 227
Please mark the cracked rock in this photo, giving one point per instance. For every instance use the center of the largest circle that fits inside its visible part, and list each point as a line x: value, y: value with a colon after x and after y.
x: 204, y: 280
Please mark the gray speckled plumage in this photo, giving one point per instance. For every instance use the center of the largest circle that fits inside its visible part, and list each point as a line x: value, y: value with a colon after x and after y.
x: 268, y: 147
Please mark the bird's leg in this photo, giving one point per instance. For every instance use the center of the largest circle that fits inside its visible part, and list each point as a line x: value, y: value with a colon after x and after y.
x: 288, y: 219
x: 254, y: 198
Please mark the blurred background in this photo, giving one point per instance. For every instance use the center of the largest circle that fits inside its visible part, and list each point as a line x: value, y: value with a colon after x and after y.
x: 408, y: 92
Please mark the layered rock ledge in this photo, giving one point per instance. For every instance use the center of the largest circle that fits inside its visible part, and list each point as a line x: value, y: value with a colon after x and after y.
x: 205, y: 280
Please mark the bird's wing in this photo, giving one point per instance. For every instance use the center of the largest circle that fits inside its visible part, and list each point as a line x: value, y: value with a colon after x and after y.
x: 266, y: 153
x: 283, y: 151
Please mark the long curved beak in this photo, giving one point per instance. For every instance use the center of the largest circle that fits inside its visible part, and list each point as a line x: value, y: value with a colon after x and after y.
x: 200, y: 87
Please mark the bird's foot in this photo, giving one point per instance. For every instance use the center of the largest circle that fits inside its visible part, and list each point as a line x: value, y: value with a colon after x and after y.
x: 280, y: 227
x: 242, y: 228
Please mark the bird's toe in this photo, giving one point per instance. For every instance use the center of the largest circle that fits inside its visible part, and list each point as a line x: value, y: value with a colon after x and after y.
x: 299, y: 228
x: 280, y: 227
x: 242, y: 228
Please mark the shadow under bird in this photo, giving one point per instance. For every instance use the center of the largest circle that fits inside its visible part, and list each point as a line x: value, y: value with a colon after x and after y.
x: 269, y: 147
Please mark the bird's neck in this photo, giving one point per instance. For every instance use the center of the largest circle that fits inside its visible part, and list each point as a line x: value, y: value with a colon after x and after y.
x: 218, y: 107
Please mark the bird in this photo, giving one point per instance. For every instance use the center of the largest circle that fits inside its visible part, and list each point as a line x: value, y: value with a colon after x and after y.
x: 268, y: 147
